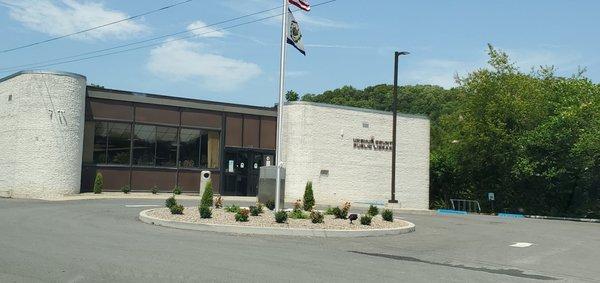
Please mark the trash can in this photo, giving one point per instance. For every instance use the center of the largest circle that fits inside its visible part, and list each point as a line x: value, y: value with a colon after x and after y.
x: 266, y: 184
x: 204, y: 179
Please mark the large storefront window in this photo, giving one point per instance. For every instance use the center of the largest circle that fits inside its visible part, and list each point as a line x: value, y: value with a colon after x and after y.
x: 111, y: 143
x: 199, y: 149
x: 144, y: 142
x: 166, y: 146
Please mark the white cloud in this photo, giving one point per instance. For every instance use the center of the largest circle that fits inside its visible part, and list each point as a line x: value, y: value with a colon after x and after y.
x: 200, y: 29
x: 184, y: 60
x: 70, y: 16
x: 440, y: 72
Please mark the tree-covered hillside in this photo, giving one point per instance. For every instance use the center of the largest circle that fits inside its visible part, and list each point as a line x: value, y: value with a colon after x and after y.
x: 531, y: 138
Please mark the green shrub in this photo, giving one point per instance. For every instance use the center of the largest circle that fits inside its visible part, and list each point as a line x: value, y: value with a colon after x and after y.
x: 339, y: 213
x: 298, y: 214
x: 281, y: 216
x: 242, y: 215
x: 329, y: 211
x: 98, y: 183
x: 270, y: 204
x: 387, y: 215
x: 177, y: 209
x: 373, y: 210
x: 366, y: 219
x: 207, y: 196
x: 316, y: 216
x: 309, y: 199
x: 126, y: 189
x: 205, y: 212
x: 232, y: 208
x: 170, y: 202
x: 177, y: 190
x: 254, y: 211
x: 155, y: 190
x: 260, y: 207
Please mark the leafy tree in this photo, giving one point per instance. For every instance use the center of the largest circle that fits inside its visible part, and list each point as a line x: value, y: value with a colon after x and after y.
x: 292, y: 96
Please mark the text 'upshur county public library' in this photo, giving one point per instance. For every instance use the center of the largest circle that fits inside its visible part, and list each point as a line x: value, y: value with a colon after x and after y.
x: 374, y: 144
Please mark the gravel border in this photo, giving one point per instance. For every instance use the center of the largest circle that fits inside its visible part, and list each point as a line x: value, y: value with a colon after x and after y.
x: 158, y: 217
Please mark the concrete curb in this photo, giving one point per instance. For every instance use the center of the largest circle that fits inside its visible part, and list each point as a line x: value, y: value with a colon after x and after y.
x: 589, y: 220
x: 234, y: 229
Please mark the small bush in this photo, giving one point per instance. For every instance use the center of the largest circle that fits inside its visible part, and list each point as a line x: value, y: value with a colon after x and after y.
x: 316, y: 216
x: 309, y: 199
x: 126, y: 189
x: 254, y: 211
x: 298, y: 214
x: 232, y: 208
x: 281, y: 216
x: 339, y: 213
x: 242, y: 215
x: 270, y: 204
x: 260, y: 207
x: 155, y: 190
x: 218, y: 202
x: 207, y: 196
x: 373, y: 210
x: 177, y: 209
x: 205, y: 212
x: 170, y: 202
x: 366, y: 219
x: 387, y: 215
x: 329, y: 211
x: 98, y: 183
x: 346, y: 207
x: 298, y: 204
x: 177, y: 190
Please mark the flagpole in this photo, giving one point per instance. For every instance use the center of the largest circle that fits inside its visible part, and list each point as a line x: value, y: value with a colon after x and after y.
x: 278, y: 161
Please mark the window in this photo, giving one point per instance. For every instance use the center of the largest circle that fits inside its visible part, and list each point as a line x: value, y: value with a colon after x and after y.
x: 189, y: 148
x: 210, y: 149
x: 111, y: 143
x: 166, y: 146
x: 144, y: 142
x: 119, y: 135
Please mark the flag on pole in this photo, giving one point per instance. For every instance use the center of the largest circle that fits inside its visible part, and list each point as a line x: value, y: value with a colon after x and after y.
x: 302, y: 4
x: 294, y: 36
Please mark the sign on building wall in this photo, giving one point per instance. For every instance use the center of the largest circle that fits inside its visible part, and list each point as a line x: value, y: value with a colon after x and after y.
x: 372, y: 144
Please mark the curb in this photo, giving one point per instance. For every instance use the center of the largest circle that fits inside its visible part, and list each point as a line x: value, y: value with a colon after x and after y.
x: 252, y: 230
x: 589, y: 220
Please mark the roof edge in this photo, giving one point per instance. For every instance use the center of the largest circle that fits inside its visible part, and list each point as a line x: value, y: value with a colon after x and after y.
x: 418, y: 116
x: 49, y: 72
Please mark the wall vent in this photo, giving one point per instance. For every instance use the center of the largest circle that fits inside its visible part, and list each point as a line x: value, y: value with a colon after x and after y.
x: 10, y: 97
x: 365, y: 125
x: 324, y: 173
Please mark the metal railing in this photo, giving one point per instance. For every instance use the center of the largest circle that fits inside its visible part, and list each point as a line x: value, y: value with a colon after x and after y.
x: 470, y: 206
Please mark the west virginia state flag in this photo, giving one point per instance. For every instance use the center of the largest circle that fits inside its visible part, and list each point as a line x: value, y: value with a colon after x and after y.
x: 294, y: 36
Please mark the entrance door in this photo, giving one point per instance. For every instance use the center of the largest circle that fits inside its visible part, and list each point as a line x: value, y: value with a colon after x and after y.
x: 241, y: 168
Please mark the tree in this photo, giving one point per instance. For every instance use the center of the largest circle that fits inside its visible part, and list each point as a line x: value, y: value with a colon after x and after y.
x: 309, y: 199
x: 98, y: 183
x: 207, y: 196
x: 292, y: 96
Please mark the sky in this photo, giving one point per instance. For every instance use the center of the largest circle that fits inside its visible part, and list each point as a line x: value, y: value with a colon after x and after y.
x: 348, y: 42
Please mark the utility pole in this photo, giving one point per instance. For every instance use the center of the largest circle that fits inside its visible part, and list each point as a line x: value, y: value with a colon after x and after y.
x: 394, y: 111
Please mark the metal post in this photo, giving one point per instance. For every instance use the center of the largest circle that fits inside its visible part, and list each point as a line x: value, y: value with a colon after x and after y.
x: 394, y: 111
x: 278, y: 162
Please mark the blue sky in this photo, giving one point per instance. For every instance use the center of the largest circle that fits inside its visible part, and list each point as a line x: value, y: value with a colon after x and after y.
x: 348, y: 42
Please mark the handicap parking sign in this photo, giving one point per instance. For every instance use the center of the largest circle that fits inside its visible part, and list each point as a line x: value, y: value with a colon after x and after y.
x: 490, y: 196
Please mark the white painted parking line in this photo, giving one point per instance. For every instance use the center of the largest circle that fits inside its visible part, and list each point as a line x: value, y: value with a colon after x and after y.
x: 141, y: 205
x: 521, y: 245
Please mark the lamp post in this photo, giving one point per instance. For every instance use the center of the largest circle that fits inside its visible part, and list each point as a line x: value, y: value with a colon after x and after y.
x: 394, y: 111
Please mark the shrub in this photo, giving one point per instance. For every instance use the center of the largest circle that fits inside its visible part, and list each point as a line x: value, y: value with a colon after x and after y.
x: 329, y: 211
x: 205, y: 212
x: 298, y: 214
x: 126, y: 189
x: 207, y: 196
x: 242, y: 215
x: 270, y: 204
x: 281, y: 216
x: 373, y: 210
x: 176, y: 209
x: 298, y: 204
x: 366, y: 219
x: 254, y: 211
x: 232, y: 208
x: 177, y: 190
x: 340, y: 213
x: 309, y: 199
x: 316, y: 216
x: 170, y: 202
x: 98, y: 183
x: 346, y: 207
x: 218, y: 202
x: 155, y: 190
x: 387, y: 215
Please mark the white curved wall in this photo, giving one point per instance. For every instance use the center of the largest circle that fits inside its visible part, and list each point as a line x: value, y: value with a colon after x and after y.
x: 41, y: 133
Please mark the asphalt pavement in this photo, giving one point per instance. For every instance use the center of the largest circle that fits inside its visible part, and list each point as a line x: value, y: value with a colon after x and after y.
x: 103, y: 241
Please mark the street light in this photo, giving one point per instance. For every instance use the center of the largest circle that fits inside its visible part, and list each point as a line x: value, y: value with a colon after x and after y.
x: 394, y: 106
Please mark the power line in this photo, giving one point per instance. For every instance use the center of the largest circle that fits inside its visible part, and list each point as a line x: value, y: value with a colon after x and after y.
x: 93, y: 28
x: 36, y: 65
